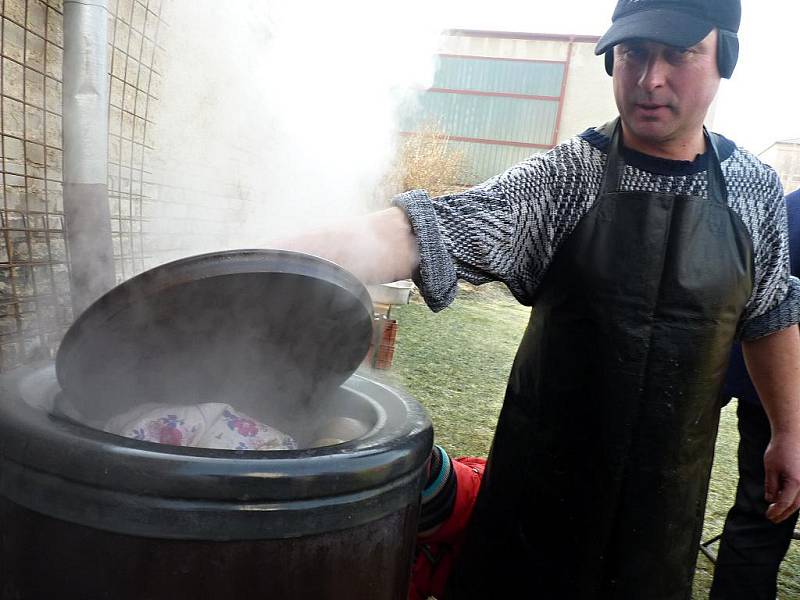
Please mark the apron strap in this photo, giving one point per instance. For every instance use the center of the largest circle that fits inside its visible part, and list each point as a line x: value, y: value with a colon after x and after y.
x: 615, y: 167
x: 717, y: 189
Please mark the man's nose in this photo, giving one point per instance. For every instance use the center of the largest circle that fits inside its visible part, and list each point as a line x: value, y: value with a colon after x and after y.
x: 654, y: 73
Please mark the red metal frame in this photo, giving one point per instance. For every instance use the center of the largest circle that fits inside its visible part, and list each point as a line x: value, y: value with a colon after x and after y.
x: 570, y: 38
x: 516, y: 35
x: 456, y: 138
x: 563, y: 92
x: 509, y: 59
x: 495, y: 94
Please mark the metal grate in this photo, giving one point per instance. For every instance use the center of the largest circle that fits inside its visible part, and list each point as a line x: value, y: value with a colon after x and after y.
x: 35, y: 306
x: 135, y: 59
x: 34, y: 283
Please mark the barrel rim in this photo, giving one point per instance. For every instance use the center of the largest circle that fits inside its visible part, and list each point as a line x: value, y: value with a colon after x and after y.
x: 32, y: 438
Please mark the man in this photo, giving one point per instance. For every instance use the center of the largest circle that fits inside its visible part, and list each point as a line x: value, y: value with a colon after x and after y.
x: 752, y: 547
x: 645, y: 247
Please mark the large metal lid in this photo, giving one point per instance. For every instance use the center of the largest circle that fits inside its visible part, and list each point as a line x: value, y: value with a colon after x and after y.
x: 246, y: 326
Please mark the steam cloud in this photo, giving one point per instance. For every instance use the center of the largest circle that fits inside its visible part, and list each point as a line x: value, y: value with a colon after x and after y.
x: 277, y: 116
x: 272, y: 118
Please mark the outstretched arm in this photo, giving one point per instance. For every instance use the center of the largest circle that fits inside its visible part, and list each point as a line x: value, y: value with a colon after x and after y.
x: 773, y: 362
x: 376, y: 248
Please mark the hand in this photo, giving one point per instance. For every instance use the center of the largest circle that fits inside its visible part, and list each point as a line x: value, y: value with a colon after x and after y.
x: 782, y: 483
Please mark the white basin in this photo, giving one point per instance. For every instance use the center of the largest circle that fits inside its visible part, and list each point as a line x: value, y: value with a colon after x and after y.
x: 394, y: 293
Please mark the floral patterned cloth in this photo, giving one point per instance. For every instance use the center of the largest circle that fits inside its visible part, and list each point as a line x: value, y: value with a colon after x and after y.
x: 208, y: 425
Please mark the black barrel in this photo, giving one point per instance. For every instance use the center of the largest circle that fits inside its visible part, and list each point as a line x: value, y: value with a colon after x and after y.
x: 87, y: 514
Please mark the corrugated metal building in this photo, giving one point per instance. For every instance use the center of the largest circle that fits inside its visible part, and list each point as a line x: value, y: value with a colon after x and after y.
x: 784, y: 157
x: 502, y: 96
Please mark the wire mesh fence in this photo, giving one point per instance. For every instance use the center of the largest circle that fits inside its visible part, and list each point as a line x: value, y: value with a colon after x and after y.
x: 35, y: 305
x: 135, y: 59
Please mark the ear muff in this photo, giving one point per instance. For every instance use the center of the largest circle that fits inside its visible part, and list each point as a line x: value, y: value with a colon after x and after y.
x: 609, y: 58
x: 727, y: 52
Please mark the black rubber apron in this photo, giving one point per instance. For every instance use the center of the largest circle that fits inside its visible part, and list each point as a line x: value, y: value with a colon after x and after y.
x: 599, y: 469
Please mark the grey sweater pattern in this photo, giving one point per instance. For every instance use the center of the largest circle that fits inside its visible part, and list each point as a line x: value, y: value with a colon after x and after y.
x: 510, y: 227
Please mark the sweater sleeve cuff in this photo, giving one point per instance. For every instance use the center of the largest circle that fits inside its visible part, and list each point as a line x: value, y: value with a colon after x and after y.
x: 436, y: 276
x: 784, y: 315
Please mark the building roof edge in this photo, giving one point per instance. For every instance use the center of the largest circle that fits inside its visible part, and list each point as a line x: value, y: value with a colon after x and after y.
x: 519, y: 35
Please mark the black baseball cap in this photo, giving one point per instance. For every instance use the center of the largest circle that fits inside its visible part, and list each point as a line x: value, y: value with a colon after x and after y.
x: 680, y: 23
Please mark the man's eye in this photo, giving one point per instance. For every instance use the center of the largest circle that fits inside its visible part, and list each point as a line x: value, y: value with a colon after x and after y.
x: 678, y: 55
x: 633, y: 52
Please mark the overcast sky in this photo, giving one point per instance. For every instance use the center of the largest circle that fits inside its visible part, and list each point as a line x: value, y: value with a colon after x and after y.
x: 759, y: 105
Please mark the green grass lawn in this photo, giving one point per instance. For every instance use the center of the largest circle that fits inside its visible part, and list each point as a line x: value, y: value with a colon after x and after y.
x: 456, y: 363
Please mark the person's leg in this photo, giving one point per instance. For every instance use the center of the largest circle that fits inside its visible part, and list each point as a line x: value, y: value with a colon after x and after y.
x: 751, y: 548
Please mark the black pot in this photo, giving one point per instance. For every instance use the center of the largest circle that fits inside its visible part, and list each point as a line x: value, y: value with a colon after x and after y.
x: 88, y: 514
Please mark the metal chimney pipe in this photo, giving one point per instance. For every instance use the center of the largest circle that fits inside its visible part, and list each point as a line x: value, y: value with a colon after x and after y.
x: 85, y: 129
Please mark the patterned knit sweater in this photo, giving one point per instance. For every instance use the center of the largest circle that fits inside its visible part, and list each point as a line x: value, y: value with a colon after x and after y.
x: 510, y: 227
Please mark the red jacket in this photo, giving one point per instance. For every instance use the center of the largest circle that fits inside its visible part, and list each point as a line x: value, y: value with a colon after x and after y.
x: 437, y: 551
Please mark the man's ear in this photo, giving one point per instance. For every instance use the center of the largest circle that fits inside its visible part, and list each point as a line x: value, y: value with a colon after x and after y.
x: 609, y: 58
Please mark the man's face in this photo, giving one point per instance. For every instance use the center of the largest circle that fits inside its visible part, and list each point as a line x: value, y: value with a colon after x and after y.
x: 663, y: 92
